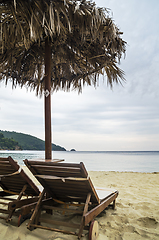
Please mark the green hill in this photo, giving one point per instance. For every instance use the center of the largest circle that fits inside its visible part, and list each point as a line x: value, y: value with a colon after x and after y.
x: 8, y: 143
x: 28, y: 142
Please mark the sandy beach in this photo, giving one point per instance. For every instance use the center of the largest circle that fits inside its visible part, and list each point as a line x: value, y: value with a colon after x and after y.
x: 136, y: 215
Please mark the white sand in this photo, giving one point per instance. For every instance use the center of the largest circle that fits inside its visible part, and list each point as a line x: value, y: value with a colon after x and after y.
x: 136, y: 215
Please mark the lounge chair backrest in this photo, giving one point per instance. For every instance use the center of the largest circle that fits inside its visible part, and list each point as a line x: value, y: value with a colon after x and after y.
x: 69, y: 189
x: 13, y: 178
x: 57, y: 169
x: 64, y: 181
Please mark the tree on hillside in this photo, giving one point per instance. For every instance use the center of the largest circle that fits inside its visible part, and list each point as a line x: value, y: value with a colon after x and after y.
x: 50, y: 45
x: 8, y: 143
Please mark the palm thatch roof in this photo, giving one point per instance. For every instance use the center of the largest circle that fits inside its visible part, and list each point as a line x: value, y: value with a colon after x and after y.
x: 85, y: 42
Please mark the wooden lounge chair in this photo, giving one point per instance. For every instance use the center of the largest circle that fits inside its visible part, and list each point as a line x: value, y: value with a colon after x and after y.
x: 17, y: 189
x: 68, y: 184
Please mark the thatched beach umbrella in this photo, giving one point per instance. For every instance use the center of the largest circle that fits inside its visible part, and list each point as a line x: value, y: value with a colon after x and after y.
x: 49, y: 45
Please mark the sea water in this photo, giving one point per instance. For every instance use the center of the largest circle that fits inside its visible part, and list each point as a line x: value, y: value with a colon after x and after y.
x: 135, y: 161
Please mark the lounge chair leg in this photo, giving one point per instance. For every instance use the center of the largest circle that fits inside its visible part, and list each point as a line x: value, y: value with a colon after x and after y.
x: 19, y: 197
x: 84, y: 212
x: 35, y: 215
x: 114, y: 204
x: 36, y: 222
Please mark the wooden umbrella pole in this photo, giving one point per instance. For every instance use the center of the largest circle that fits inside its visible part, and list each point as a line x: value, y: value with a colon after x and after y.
x: 48, y: 145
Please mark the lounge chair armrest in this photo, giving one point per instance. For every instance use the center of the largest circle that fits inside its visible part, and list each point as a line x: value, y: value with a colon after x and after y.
x: 89, y: 216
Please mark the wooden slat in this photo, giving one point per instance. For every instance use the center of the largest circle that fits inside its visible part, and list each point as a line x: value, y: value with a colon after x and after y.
x: 3, y: 203
x: 58, y: 168
x: 69, y: 198
x: 5, y: 162
x: 53, y: 229
x: 70, y: 186
x: 73, y: 179
x: 62, y: 209
x: 17, y: 187
x: 19, y: 203
x: 59, y: 223
x: 32, y: 163
x: 12, y: 183
x: 3, y: 159
x: 7, y: 199
x: 3, y: 194
x: 12, y: 180
x: 70, y: 189
x: 70, y: 192
x: 5, y: 170
x: 58, y: 174
x: 14, y: 187
x: 6, y: 167
x: 4, y: 211
x: 2, y: 162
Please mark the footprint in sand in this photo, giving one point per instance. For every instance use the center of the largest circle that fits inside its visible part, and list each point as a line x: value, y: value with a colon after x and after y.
x: 119, y: 205
x: 147, y: 222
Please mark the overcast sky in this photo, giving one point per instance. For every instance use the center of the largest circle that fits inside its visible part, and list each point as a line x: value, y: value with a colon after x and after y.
x: 125, y: 118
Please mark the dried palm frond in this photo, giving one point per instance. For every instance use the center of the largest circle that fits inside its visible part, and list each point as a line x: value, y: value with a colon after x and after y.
x: 85, y: 43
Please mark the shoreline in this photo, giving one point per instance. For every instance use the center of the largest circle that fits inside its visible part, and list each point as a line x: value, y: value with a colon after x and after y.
x: 98, y: 161
x: 136, y: 215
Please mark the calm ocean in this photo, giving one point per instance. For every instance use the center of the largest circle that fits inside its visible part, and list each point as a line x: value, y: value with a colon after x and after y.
x: 135, y: 161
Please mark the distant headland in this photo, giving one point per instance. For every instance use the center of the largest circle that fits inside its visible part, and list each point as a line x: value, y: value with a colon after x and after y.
x: 20, y: 141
